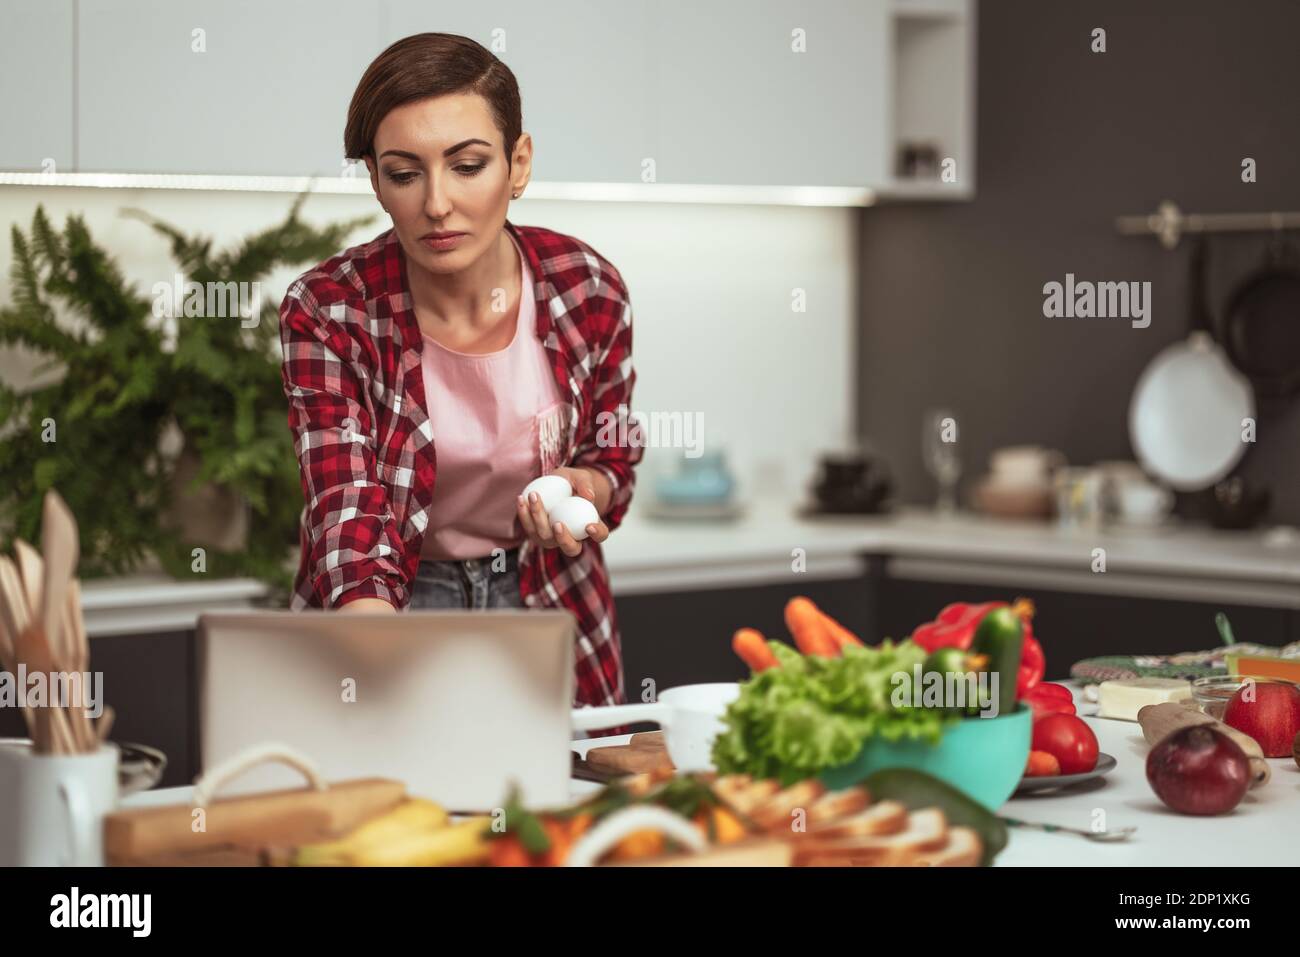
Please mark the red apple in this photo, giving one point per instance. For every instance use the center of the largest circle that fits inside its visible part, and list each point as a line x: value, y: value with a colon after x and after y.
x: 1267, y: 711
x: 1199, y: 771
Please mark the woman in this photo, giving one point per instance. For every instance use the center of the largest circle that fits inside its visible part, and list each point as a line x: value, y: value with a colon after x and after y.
x: 434, y: 371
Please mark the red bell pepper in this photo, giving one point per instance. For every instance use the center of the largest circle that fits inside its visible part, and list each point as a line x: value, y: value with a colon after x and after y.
x: 1032, y: 665
x: 955, y: 627
x: 1048, y: 698
x: 1049, y: 689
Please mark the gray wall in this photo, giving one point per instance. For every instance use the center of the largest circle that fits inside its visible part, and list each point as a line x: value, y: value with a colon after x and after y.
x: 951, y: 299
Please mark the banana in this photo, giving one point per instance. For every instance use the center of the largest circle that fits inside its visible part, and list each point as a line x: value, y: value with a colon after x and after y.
x: 414, y: 814
x: 410, y: 817
x: 457, y: 844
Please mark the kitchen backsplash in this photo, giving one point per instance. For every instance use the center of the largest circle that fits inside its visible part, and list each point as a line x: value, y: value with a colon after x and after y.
x: 744, y: 315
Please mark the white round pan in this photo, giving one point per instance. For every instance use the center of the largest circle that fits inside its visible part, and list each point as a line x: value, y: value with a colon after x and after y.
x: 1187, y: 414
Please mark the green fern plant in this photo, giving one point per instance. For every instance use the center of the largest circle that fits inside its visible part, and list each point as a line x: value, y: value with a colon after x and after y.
x: 94, y: 434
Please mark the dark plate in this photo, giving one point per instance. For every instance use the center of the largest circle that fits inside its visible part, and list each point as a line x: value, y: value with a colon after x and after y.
x: 1105, y: 764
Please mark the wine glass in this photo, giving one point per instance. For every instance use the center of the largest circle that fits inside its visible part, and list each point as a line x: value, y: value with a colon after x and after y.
x: 942, y: 456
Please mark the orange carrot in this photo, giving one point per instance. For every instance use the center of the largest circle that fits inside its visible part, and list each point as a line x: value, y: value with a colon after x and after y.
x: 842, y: 637
x: 808, y: 628
x: 752, y: 648
x: 1042, y: 765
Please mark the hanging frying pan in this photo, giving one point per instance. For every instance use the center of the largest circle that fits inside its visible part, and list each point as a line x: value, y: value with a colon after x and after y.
x: 1261, y: 330
x: 1185, y: 418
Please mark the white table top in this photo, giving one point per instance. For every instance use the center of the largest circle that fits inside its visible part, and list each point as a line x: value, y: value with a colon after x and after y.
x: 1260, y: 832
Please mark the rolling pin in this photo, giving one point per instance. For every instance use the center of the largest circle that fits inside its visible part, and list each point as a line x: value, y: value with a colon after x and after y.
x: 1161, y: 720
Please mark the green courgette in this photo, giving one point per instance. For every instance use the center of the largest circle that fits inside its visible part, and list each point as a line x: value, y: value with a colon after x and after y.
x: 1001, y: 636
x: 916, y: 790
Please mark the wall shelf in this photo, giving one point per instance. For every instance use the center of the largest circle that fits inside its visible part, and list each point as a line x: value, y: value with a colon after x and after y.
x: 933, y: 103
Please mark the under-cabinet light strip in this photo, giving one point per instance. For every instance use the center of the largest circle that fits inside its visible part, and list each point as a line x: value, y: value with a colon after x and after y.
x: 581, y: 192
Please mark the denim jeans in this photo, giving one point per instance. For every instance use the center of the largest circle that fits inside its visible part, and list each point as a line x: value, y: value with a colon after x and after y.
x: 467, y: 583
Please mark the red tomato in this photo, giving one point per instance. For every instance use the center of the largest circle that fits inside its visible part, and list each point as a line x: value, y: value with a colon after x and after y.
x: 1069, y: 739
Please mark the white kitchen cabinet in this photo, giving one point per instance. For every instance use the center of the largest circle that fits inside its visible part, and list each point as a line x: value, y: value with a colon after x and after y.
x: 36, y: 107
x: 676, y: 91
x: 267, y: 93
x: 637, y: 94
x: 735, y: 103
x: 584, y: 74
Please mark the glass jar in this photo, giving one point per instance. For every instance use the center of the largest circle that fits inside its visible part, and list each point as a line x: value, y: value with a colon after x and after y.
x: 1213, y: 692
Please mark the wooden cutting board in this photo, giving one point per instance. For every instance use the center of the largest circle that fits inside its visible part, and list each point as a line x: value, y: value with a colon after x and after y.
x: 236, y: 830
x: 645, y: 752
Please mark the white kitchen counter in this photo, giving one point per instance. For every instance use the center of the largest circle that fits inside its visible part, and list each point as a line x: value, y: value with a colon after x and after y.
x: 1180, y: 561
x: 154, y: 604
x: 772, y: 544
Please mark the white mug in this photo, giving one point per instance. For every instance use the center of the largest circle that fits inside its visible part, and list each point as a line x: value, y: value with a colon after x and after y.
x: 1144, y: 502
x: 52, y: 806
x: 691, y: 717
x: 1024, y: 465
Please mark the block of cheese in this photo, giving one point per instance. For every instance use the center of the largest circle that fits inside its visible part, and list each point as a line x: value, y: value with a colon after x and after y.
x: 1124, y: 697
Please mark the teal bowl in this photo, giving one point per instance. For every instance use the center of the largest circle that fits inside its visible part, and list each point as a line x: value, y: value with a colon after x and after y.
x: 983, y: 757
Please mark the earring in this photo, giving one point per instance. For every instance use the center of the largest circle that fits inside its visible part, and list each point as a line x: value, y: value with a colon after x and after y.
x: 515, y: 195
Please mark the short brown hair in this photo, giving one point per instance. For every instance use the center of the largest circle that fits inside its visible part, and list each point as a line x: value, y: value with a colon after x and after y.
x: 427, y: 65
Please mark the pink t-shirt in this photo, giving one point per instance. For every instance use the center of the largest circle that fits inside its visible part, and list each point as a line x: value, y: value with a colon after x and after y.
x: 492, y: 415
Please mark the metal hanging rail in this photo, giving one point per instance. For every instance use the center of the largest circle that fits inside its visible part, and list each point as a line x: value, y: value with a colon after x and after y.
x: 1169, y: 223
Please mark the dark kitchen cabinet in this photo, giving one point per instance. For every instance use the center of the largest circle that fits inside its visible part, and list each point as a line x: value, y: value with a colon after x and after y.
x: 149, y: 681
x: 685, y: 637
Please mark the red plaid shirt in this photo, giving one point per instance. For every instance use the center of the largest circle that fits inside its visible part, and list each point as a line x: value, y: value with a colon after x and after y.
x: 365, y: 448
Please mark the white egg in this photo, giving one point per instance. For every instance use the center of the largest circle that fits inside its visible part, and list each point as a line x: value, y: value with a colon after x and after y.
x: 551, y: 489
x: 576, y: 514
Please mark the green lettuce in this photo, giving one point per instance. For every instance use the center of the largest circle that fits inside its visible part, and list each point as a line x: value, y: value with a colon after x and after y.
x: 812, y: 713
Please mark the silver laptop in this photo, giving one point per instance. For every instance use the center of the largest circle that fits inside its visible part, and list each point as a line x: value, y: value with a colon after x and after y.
x: 457, y: 704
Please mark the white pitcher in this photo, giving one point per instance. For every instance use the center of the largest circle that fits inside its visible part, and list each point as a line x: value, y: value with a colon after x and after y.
x: 52, y: 806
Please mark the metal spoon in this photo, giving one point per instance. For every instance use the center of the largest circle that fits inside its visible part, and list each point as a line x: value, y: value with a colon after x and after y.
x: 1105, y: 837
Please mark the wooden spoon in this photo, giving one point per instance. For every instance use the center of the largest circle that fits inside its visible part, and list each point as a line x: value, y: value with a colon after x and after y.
x: 61, y: 548
x: 32, y: 569
x: 105, y: 723
x: 53, y: 736
x: 75, y: 637
x: 14, y: 606
x: 6, y: 636
x: 8, y: 661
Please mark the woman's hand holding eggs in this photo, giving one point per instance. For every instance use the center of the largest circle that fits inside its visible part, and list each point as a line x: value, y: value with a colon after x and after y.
x: 558, y: 511
x: 551, y: 489
x: 575, y: 514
